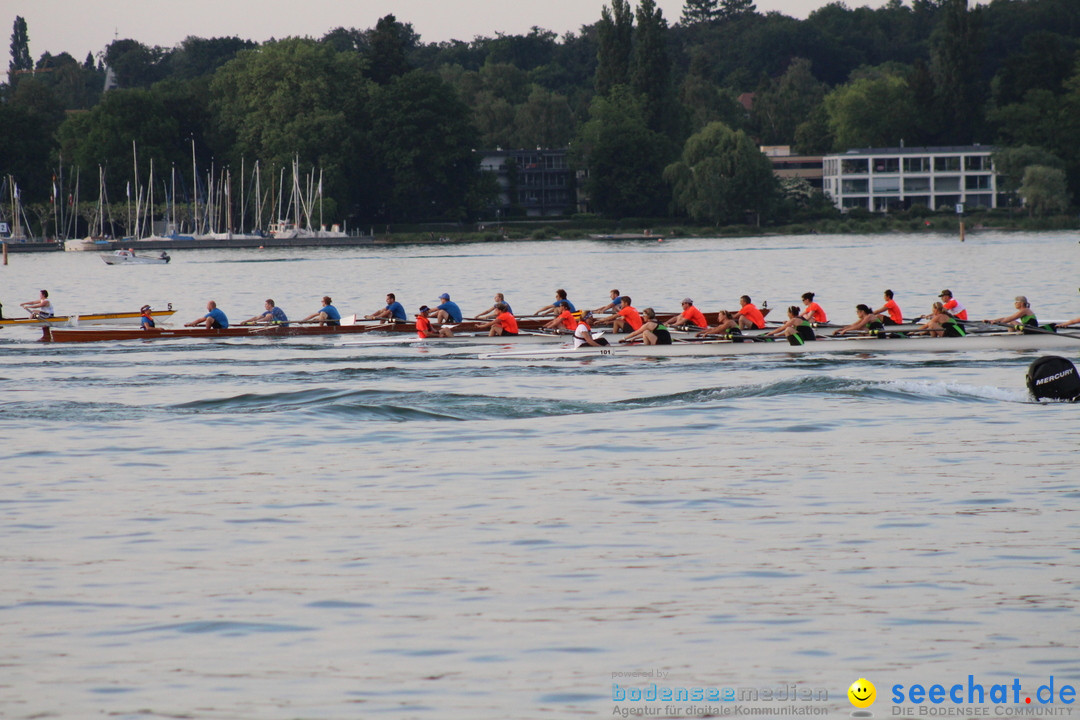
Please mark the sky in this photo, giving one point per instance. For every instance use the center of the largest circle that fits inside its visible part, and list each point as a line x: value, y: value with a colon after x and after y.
x: 82, y: 26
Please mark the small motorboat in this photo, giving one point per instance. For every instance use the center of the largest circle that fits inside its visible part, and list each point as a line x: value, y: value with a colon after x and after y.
x: 128, y: 257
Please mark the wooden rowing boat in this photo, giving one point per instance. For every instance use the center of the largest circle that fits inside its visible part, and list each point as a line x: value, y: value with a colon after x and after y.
x: 51, y: 334
x: 980, y: 342
x: 116, y: 318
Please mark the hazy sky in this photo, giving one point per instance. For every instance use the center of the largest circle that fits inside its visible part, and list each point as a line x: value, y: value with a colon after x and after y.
x: 82, y: 26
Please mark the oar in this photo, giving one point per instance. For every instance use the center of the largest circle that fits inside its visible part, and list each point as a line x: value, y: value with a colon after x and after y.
x: 1033, y: 329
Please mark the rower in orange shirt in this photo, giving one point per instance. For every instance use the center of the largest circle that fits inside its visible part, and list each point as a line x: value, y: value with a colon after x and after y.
x: 424, y: 328
x: 813, y: 311
x: 895, y: 316
x: 748, y: 315
x: 564, y: 320
x: 504, y: 323
x: 690, y: 315
x: 626, y: 319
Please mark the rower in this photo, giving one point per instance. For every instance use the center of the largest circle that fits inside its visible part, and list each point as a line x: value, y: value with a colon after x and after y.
x: 941, y: 324
x: 393, y: 312
x: 625, y: 319
x: 326, y: 315
x: 1024, y: 317
x: 424, y: 328
x: 652, y: 331
x: 796, y: 328
x: 895, y: 316
x: 493, y: 311
x: 583, y: 333
x: 555, y: 307
x: 40, y: 309
x: 952, y: 305
x: 868, y: 320
x: 447, y: 311
x: 504, y: 323
x: 726, y: 326
x: 690, y: 316
x: 146, y: 318
x: 813, y: 311
x: 214, y: 319
x: 565, y: 320
x: 748, y: 315
x: 614, y: 305
x: 273, y: 315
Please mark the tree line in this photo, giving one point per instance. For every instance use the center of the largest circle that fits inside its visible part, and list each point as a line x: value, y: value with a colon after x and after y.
x: 665, y: 115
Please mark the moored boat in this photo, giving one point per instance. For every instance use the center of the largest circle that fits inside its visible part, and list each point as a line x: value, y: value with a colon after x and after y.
x: 128, y: 257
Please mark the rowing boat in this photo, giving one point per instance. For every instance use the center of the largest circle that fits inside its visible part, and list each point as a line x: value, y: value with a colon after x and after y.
x: 1001, y: 341
x: 120, y: 318
x: 160, y: 333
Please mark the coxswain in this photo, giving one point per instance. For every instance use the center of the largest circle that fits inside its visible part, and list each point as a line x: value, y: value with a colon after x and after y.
x: 393, y: 312
x: 651, y: 332
x: 748, y: 315
x: 146, y: 318
x: 812, y: 311
x: 690, y: 316
x: 504, y: 323
x: 40, y: 309
x: 869, y: 320
x: 1024, y: 317
x: 326, y: 315
x: 895, y: 317
x: 583, y: 333
x: 952, y: 305
x: 214, y: 319
x: 424, y: 328
x: 565, y: 320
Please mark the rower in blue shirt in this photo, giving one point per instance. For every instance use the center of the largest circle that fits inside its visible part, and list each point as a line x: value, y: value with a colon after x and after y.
x: 448, y: 311
x: 557, y: 306
x: 326, y: 315
x: 214, y: 319
x: 273, y: 315
x: 393, y: 312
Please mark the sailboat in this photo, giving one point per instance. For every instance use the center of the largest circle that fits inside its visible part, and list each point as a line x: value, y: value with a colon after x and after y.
x: 296, y: 221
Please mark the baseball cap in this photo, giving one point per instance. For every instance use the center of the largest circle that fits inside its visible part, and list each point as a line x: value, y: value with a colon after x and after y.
x: 688, y: 301
x: 424, y: 308
x: 943, y: 293
x: 444, y: 296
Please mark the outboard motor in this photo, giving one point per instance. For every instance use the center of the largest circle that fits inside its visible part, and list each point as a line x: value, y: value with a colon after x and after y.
x: 1053, y: 378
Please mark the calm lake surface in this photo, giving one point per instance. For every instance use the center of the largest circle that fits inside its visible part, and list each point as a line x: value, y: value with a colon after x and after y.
x: 294, y: 528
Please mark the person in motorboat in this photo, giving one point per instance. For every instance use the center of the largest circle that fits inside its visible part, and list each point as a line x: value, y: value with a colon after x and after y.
x: 894, y: 316
x: 869, y: 320
x: 725, y: 326
x: 493, y: 311
x: 557, y: 304
x: 146, y: 318
x: 583, y: 333
x: 940, y: 323
x: 625, y: 319
x: 447, y: 311
x: 273, y: 315
x: 504, y: 323
x: 40, y: 309
x: 393, y: 312
x: 748, y: 315
x: 214, y: 319
x: 690, y: 316
x: 1022, y: 318
x: 424, y: 328
x: 813, y: 312
x: 565, y: 320
x: 651, y: 332
x: 326, y: 315
x: 796, y: 328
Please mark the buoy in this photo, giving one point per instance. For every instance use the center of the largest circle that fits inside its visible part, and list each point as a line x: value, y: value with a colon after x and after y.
x: 1053, y: 378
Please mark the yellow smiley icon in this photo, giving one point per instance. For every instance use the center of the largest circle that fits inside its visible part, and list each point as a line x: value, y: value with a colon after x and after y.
x: 862, y: 693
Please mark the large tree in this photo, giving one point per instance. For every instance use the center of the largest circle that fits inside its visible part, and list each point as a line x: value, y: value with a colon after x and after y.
x: 387, y: 51
x: 874, y: 110
x: 955, y: 65
x: 700, y: 11
x: 615, y: 35
x: 722, y: 177
x: 781, y: 105
x: 20, y: 50
x: 650, y: 73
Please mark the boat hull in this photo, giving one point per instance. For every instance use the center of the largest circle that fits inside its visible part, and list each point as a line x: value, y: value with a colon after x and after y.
x: 124, y: 318
x: 237, y: 331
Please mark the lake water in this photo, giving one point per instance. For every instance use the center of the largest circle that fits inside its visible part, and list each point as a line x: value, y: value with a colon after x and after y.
x: 293, y: 528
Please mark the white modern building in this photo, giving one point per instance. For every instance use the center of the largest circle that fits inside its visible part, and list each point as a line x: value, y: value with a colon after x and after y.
x: 883, y: 179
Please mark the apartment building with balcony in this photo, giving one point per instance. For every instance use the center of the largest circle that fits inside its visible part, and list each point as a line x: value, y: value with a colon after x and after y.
x: 884, y: 179
x: 532, y: 183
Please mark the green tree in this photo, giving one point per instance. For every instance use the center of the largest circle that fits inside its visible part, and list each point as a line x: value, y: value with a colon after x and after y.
x: 955, y: 67
x: 650, y: 67
x: 735, y: 8
x: 624, y: 158
x: 700, y: 11
x: 722, y: 177
x: 615, y: 34
x: 1010, y: 163
x: 20, y: 50
x: 813, y: 136
x: 1043, y: 190
x: 706, y: 102
x: 781, y: 105
x: 387, y: 49
x: 870, y: 112
x: 27, y: 159
x: 544, y: 120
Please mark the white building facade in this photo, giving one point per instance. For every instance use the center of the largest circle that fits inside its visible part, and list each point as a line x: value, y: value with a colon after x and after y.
x: 884, y: 179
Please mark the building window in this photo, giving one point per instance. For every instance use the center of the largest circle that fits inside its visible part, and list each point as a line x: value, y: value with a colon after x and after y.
x: 976, y: 163
x: 855, y: 202
x: 883, y: 204
x: 886, y: 165
x: 853, y: 166
x: 980, y: 200
x: 917, y: 185
x: 917, y: 165
x: 913, y: 200
x: 977, y: 182
x: 854, y: 186
x: 947, y: 164
x: 947, y: 184
x: 887, y: 185
x: 947, y: 201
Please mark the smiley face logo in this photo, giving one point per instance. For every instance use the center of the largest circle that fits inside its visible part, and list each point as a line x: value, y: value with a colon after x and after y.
x: 862, y: 693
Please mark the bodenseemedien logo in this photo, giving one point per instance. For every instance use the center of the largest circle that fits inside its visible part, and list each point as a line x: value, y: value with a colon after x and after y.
x: 862, y: 693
